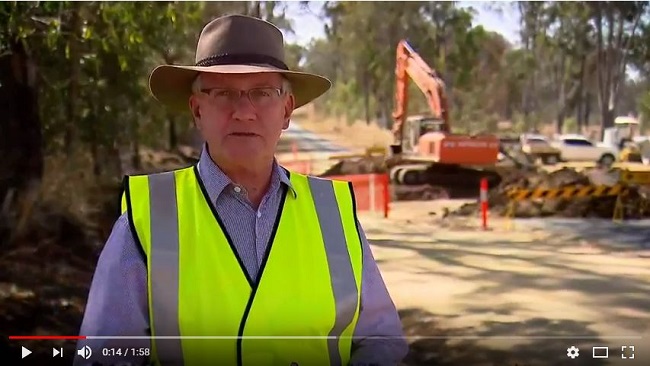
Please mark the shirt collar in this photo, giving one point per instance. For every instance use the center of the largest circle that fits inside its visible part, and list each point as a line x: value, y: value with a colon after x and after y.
x: 215, y: 180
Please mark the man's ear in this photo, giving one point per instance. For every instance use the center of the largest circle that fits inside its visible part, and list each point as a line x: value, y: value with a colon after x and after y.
x: 288, y: 110
x: 196, y: 111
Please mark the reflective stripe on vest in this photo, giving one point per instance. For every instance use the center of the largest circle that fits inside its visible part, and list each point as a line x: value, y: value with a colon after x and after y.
x: 166, y: 207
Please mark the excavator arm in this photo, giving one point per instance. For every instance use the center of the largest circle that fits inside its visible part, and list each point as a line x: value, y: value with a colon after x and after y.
x: 409, y: 65
x: 439, y: 145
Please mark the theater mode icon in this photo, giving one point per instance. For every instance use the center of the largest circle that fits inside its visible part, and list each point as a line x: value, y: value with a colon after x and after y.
x: 600, y: 352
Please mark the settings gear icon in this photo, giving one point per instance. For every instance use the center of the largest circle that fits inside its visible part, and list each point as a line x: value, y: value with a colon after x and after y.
x: 572, y: 352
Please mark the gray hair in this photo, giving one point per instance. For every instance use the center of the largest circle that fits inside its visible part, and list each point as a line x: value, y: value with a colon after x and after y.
x: 196, y: 85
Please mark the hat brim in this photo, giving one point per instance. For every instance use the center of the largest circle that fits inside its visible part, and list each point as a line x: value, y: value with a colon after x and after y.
x: 172, y: 84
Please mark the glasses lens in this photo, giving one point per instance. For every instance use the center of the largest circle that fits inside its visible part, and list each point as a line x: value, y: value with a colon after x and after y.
x: 259, y: 97
x: 262, y: 97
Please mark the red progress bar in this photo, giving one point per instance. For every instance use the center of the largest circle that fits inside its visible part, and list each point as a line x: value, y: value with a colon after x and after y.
x: 46, y: 337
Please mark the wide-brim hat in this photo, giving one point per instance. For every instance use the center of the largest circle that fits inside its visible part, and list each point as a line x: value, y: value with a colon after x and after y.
x: 234, y: 44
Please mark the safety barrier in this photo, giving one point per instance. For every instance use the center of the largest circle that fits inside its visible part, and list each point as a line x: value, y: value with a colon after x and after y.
x: 483, y: 198
x: 371, y: 191
x: 296, y: 164
x: 520, y: 194
x: 641, y: 178
x: 568, y: 192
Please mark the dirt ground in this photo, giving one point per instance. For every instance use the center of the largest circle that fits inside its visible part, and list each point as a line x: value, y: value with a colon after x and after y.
x: 520, y: 293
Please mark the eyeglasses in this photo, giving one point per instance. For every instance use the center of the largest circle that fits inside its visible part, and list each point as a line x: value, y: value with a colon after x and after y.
x: 259, y: 97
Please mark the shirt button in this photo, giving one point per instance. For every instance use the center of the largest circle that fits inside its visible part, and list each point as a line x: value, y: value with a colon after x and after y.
x: 259, y: 214
x: 237, y: 189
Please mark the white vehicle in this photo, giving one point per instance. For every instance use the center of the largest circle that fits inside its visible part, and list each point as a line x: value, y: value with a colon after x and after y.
x: 578, y: 148
x: 539, y: 148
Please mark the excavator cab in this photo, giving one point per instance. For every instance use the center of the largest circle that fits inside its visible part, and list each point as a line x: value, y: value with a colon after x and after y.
x: 417, y: 126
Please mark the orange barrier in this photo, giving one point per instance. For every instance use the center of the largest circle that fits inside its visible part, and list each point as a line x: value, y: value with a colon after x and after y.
x: 371, y: 191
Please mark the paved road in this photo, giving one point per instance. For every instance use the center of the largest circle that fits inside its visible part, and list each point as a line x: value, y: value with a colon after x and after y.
x: 306, y: 141
x: 309, y: 147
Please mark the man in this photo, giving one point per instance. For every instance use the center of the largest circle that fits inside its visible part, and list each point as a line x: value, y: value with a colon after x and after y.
x: 251, y: 263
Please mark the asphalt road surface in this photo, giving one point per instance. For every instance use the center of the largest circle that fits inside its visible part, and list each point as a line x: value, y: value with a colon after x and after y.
x: 305, y: 141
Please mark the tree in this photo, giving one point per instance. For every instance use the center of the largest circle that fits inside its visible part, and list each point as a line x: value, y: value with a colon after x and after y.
x: 616, y: 24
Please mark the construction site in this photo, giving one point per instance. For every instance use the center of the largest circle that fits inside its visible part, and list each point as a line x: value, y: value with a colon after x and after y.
x: 494, y: 253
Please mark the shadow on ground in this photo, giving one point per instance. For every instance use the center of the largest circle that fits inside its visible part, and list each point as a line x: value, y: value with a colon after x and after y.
x: 433, y: 345
x: 496, y: 271
x: 619, y: 298
x: 614, y: 236
x: 464, y: 346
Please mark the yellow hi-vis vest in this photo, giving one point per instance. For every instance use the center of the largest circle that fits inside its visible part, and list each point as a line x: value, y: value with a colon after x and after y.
x: 301, y: 310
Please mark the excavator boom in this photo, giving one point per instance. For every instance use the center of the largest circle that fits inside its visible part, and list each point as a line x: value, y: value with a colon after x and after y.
x: 410, y: 65
x: 438, y: 145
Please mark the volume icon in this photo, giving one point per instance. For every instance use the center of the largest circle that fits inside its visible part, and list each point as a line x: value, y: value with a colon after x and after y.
x: 85, y: 352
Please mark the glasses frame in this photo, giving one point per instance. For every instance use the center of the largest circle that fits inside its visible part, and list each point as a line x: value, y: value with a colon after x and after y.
x: 208, y: 91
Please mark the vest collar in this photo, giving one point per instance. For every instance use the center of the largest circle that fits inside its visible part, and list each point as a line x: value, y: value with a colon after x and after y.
x: 216, y: 180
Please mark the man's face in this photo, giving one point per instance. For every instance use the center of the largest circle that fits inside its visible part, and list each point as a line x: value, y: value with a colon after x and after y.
x: 237, y: 127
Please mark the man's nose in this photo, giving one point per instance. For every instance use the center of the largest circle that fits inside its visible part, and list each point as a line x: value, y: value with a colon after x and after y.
x: 244, y: 108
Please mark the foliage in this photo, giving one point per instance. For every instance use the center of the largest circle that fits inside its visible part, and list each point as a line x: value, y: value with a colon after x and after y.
x: 93, y: 59
x: 571, y: 66
x: 559, y: 71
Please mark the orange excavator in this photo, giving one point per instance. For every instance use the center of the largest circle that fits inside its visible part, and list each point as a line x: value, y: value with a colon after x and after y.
x: 424, y: 149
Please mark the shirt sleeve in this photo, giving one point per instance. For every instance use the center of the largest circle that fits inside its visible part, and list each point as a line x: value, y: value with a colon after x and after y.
x: 117, y: 301
x: 379, y: 337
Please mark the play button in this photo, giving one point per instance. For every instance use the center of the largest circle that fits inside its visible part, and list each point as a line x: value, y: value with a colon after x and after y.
x: 26, y: 352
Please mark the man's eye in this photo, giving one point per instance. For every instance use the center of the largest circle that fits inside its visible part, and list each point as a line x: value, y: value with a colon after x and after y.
x: 261, y: 93
x: 223, y: 93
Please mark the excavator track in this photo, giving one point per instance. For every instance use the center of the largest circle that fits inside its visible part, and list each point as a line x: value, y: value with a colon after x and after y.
x: 454, y: 180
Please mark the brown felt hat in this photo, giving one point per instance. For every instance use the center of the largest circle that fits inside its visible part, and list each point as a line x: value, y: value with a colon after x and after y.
x: 234, y: 44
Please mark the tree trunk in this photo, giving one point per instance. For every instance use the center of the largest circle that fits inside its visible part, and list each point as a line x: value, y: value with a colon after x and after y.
x: 366, y: 96
x: 581, y: 95
x: 20, y: 132
x: 587, y: 109
x: 607, y: 115
x: 559, y: 123
x: 579, y: 109
x: 135, y: 155
x: 73, y: 87
x: 173, y: 138
x: 94, y: 148
x: 94, y: 153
